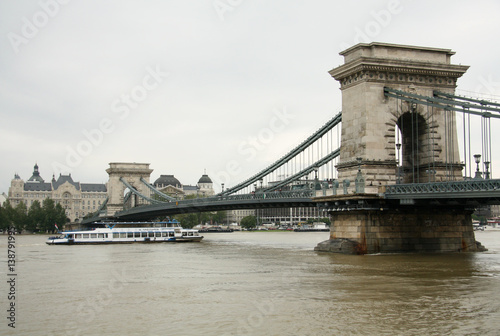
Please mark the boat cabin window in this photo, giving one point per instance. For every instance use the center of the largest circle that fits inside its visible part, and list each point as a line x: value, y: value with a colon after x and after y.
x: 171, y: 234
x: 144, y: 234
x: 123, y: 235
x: 85, y: 235
x: 116, y: 235
x: 137, y: 234
x: 130, y: 235
x: 164, y: 234
x: 100, y: 235
x: 93, y: 235
x: 151, y: 234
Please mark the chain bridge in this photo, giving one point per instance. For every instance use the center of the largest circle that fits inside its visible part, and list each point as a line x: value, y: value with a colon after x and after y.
x: 398, y: 170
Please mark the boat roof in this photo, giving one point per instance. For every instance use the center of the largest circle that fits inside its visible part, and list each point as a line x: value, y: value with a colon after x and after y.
x: 173, y: 221
x: 121, y: 229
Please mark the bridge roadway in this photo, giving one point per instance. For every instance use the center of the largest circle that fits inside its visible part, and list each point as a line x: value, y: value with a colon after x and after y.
x: 470, y: 193
x: 283, y: 199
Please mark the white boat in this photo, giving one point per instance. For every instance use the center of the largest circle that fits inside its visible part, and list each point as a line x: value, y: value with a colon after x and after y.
x: 126, y: 233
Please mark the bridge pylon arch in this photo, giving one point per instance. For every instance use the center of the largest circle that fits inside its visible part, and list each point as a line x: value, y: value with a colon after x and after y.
x: 132, y: 174
x: 371, y: 121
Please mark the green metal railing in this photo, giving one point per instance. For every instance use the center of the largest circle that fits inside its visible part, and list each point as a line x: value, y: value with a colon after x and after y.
x: 469, y: 188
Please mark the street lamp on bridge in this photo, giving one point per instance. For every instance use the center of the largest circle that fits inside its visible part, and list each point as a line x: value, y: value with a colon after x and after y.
x: 477, y: 159
x: 398, y: 176
x: 486, y: 170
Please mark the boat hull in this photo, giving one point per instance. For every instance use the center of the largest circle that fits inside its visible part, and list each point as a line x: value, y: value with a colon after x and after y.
x: 60, y: 241
x: 161, y: 232
x: 189, y: 239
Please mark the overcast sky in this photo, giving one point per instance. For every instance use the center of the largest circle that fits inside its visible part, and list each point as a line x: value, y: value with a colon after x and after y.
x: 184, y: 85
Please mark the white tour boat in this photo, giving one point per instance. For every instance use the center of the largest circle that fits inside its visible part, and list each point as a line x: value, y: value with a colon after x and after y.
x: 157, y: 232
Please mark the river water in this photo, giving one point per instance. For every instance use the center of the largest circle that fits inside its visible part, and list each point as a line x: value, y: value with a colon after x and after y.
x: 248, y: 283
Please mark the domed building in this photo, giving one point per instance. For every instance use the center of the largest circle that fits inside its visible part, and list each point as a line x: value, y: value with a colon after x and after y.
x: 167, y: 180
x: 205, y: 186
x: 170, y: 185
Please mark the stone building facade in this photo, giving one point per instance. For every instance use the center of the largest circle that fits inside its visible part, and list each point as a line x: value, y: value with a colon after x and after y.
x: 78, y: 199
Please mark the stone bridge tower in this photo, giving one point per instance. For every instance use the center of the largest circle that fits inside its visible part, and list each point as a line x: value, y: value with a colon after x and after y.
x: 130, y: 172
x: 372, y: 127
x: 380, y: 132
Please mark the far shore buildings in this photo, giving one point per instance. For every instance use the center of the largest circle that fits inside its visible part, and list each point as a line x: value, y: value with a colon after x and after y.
x: 171, y: 186
x: 3, y: 198
x: 78, y: 199
x: 81, y: 199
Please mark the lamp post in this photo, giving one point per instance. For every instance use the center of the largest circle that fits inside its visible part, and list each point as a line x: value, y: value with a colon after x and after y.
x: 398, y: 171
x: 256, y: 210
x: 360, y: 180
x: 317, y: 185
x: 358, y: 159
x: 431, y: 173
x: 477, y: 159
x: 486, y: 170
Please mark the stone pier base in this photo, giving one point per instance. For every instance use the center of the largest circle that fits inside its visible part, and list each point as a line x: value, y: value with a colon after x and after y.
x: 416, y: 229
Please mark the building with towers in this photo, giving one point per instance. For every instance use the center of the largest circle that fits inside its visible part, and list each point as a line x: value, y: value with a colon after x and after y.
x: 78, y: 199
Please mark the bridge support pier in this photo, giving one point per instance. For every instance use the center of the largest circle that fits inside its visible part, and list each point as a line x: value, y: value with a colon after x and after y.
x: 389, y: 229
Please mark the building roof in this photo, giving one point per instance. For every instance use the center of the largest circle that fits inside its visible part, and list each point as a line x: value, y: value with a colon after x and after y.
x: 205, y: 179
x: 63, y: 179
x: 93, y: 187
x: 37, y: 186
x: 165, y: 180
x: 189, y: 187
x: 36, y: 183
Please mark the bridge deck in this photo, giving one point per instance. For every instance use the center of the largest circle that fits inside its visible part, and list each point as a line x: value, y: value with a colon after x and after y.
x: 469, y: 193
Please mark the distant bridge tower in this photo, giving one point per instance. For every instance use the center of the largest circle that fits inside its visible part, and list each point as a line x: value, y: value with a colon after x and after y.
x: 426, y: 145
x: 132, y: 174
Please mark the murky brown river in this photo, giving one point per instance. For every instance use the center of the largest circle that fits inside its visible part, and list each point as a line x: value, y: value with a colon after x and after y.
x: 248, y: 284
